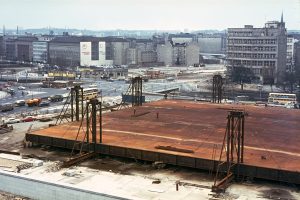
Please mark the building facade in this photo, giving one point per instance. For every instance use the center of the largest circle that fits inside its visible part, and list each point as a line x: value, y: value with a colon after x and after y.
x: 93, y: 54
x: 263, y: 50
x: 180, y: 54
x: 165, y: 53
x: 116, y: 49
x: 24, y: 48
x: 290, y: 53
x: 297, y: 59
x: 40, y: 51
x: 131, y: 56
x: 65, y: 51
x: 2, y: 51
x: 40, y: 48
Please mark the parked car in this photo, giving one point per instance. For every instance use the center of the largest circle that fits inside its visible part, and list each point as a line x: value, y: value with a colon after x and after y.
x: 29, y: 119
x: 56, y: 98
x: 45, y: 119
x: 11, y: 91
x: 11, y: 121
x: 44, y: 103
x: 20, y: 103
x: 6, y: 107
x: 21, y: 88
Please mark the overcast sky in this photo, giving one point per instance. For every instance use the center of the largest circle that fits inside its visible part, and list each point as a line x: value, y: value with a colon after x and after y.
x: 147, y: 14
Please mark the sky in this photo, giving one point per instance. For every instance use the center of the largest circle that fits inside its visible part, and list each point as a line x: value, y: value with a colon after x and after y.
x: 147, y: 14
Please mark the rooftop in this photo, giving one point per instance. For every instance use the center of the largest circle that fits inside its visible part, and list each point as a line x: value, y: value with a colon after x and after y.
x: 199, y: 127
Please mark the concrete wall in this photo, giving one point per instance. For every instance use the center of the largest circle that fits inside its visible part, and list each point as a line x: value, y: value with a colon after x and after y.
x: 35, y: 189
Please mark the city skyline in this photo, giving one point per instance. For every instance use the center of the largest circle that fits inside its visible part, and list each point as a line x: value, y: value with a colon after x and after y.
x: 147, y: 15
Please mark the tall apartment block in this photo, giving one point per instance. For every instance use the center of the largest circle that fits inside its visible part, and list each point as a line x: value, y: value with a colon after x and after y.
x: 264, y: 50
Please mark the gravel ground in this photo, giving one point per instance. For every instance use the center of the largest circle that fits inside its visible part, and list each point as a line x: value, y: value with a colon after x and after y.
x: 13, y: 141
x: 7, y: 196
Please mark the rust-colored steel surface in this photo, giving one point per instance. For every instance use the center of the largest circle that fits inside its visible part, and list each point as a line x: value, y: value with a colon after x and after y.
x: 272, y: 134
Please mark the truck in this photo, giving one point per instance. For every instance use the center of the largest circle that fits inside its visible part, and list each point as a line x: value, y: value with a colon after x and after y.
x: 33, y: 102
x: 6, y: 107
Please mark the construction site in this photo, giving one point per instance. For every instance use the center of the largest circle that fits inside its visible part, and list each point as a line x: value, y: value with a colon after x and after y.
x: 233, y: 143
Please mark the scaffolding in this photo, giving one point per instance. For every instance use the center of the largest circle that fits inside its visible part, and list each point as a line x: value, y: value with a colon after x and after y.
x: 217, y: 94
x: 233, y: 148
x: 68, y: 112
x: 137, y: 91
x: 88, y: 126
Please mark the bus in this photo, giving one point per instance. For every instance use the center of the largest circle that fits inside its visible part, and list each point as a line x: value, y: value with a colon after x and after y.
x: 282, y: 98
x: 90, y: 93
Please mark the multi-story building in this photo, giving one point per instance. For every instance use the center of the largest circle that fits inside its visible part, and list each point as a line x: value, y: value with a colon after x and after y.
x: 182, y: 54
x: 116, y: 49
x: 290, y: 55
x: 131, y: 56
x: 65, y: 51
x: 24, y: 48
x: 263, y: 50
x: 40, y: 51
x: 145, y: 49
x: 10, y: 49
x: 148, y: 57
x: 2, y: 52
x: 93, y: 53
x: 40, y: 48
x: 165, y: 53
x: 18, y: 47
x: 297, y: 59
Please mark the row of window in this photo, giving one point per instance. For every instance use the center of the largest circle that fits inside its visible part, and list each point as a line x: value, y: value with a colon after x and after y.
x: 253, y: 63
x: 251, y: 48
x: 240, y: 34
x: 252, y: 41
x: 255, y: 55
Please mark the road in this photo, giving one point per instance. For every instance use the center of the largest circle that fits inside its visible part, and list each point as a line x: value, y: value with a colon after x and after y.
x: 32, y: 93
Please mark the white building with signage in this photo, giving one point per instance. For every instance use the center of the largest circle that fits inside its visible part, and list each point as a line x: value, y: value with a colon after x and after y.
x: 93, y: 54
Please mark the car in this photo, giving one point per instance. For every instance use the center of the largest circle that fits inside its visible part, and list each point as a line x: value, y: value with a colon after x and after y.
x: 56, y: 98
x: 6, y: 107
x: 29, y: 119
x: 11, y: 91
x: 20, y: 103
x: 11, y: 120
x: 44, y: 103
x: 45, y: 119
x: 21, y: 88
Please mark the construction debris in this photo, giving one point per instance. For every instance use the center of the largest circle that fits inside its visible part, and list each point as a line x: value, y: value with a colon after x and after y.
x: 56, y: 166
x: 170, y: 148
x: 158, y: 165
